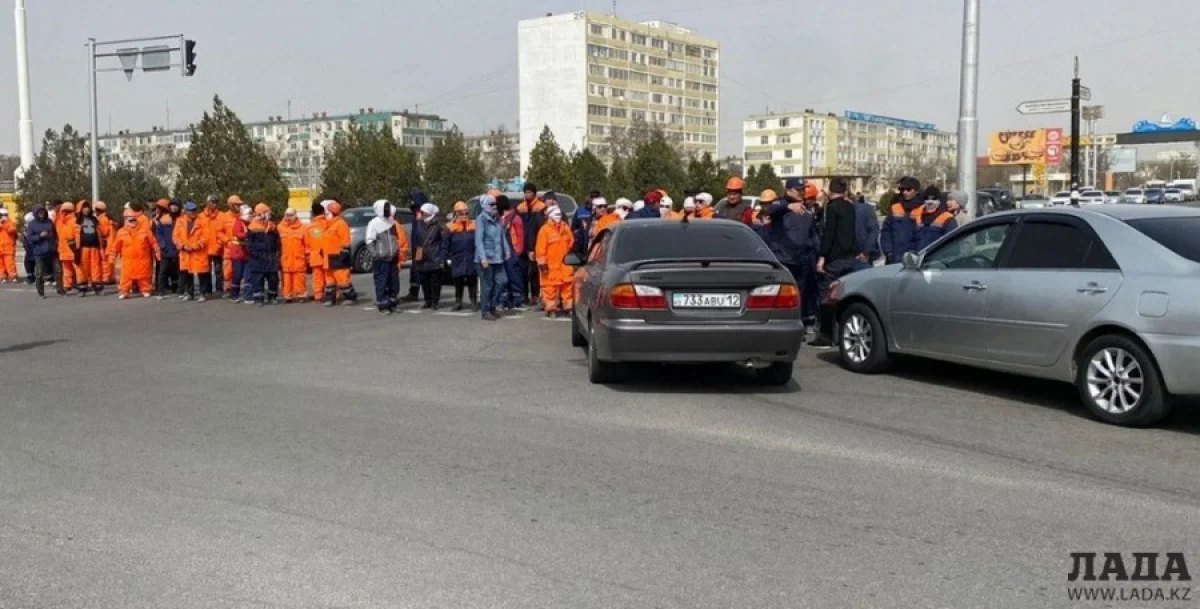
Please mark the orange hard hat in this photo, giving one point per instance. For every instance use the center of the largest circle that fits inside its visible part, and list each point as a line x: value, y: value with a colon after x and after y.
x: 735, y: 183
x: 100, y: 206
x: 811, y: 191
x: 262, y: 208
x: 334, y: 208
x: 460, y: 206
x: 768, y: 196
x: 234, y: 200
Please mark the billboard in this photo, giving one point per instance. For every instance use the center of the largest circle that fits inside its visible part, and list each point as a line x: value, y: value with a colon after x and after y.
x: 1054, y: 146
x: 891, y: 122
x: 1122, y: 160
x: 1022, y: 147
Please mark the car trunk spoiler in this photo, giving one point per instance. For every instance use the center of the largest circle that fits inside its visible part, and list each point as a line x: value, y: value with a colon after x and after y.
x: 704, y: 262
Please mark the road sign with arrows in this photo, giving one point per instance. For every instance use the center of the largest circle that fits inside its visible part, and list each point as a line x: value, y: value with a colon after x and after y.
x: 1045, y: 106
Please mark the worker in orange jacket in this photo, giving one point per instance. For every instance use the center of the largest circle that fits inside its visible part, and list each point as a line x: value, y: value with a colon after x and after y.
x: 704, y: 206
x: 293, y: 236
x: 137, y: 250
x: 8, y: 247
x: 108, y: 232
x: 317, y: 262
x: 336, y: 243
x: 554, y: 242
x: 229, y: 219
x: 189, y: 236
x: 89, y: 250
x: 64, y: 227
x: 212, y: 281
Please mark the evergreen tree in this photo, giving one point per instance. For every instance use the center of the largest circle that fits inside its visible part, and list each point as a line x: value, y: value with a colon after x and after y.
x: 224, y: 160
x: 762, y: 178
x: 705, y: 176
x: 60, y: 171
x: 120, y: 184
x: 548, y: 164
x: 620, y: 182
x: 588, y: 174
x: 657, y: 165
x: 452, y: 173
x: 367, y: 164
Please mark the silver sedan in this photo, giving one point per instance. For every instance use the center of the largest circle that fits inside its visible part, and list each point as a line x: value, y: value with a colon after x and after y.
x: 1102, y: 297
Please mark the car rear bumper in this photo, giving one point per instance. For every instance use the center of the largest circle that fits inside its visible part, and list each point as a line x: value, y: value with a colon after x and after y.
x: 1178, y: 358
x: 624, y: 340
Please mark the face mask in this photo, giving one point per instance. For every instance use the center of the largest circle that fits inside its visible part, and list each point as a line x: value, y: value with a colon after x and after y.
x: 622, y: 213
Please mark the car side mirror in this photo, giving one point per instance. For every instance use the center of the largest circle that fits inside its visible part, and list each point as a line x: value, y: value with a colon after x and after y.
x: 912, y: 261
x: 572, y: 259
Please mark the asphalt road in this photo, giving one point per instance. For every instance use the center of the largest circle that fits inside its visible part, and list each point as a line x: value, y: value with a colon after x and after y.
x: 213, y: 455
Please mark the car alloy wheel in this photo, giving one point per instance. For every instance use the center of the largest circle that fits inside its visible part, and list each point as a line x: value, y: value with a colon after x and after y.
x: 363, y: 260
x: 856, y: 339
x: 1115, y: 380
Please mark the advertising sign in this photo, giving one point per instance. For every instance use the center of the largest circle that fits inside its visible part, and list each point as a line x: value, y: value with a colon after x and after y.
x: 1023, y: 147
x: 1054, y: 146
x: 889, y: 121
x: 1122, y: 160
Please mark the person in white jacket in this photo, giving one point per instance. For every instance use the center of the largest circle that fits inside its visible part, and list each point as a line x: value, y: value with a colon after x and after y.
x: 387, y: 244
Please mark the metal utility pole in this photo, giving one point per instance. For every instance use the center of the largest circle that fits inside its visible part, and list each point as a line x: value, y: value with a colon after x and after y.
x: 968, y: 94
x: 95, y: 140
x: 25, y: 123
x: 1075, y: 84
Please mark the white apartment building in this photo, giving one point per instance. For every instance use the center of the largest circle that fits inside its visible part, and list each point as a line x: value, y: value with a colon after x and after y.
x: 808, y: 144
x: 298, y: 145
x: 590, y: 75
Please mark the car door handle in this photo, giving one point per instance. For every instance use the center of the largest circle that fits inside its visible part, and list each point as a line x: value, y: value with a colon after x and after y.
x: 1092, y: 288
x: 975, y: 285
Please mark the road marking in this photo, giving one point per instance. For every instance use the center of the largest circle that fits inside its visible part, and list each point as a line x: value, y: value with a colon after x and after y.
x: 556, y: 319
x: 454, y: 313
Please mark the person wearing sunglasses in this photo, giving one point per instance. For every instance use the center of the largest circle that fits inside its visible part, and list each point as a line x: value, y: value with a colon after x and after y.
x: 898, y: 234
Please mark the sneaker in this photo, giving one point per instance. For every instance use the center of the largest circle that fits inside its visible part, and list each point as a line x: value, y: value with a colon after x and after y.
x: 349, y: 303
x: 119, y: 296
x: 329, y: 303
x: 550, y: 314
x: 183, y: 298
x: 161, y: 297
x: 385, y: 312
x: 489, y: 316
x: 201, y: 298
x: 146, y: 295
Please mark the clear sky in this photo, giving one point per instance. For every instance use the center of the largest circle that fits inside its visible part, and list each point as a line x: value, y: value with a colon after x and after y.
x: 458, y: 58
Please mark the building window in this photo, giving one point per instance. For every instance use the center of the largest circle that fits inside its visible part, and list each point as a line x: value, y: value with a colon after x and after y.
x: 758, y: 156
x: 676, y: 47
x: 764, y: 140
x: 787, y: 154
x: 639, y: 39
x: 617, y: 93
x: 618, y: 74
x: 597, y: 29
x: 595, y: 70
x: 617, y: 112
x: 596, y: 130
x: 784, y: 139
x: 658, y: 62
x: 596, y: 50
x: 658, y: 43
x: 640, y: 96
x: 784, y: 122
x: 656, y: 80
x: 638, y: 115
x: 638, y: 77
x: 761, y: 124
x: 656, y: 98
x: 788, y: 169
x: 595, y: 110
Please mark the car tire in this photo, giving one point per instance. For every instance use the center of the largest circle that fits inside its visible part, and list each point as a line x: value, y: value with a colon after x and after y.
x: 1136, y: 379
x: 577, y: 337
x: 777, y: 374
x: 861, y: 340
x: 363, y: 260
x: 599, y: 371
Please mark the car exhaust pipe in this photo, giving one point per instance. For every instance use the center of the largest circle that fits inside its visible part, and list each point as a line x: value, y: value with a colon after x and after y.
x: 754, y: 364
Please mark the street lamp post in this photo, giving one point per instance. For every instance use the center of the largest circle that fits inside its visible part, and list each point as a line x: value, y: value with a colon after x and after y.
x: 25, y: 123
x: 968, y: 124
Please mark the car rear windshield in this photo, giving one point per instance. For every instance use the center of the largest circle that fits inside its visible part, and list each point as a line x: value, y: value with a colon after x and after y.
x: 1176, y: 234
x: 1133, y: 191
x: 648, y: 244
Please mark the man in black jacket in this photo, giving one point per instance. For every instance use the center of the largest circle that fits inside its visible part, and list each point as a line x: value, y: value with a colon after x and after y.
x: 840, y: 249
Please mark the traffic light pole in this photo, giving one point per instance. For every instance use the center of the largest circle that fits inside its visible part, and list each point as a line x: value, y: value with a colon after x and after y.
x: 1075, y: 112
x: 161, y: 56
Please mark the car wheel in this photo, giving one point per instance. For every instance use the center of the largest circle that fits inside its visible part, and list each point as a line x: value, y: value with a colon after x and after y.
x: 1119, y: 382
x: 777, y: 374
x: 599, y: 372
x: 862, y: 344
x: 363, y: 260
x: 577, y: 337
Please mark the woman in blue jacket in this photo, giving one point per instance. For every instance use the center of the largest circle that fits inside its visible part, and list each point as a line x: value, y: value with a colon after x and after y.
x: 42, y: 241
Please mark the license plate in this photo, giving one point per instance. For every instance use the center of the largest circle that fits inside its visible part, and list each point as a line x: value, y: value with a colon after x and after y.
x: 683, y: 300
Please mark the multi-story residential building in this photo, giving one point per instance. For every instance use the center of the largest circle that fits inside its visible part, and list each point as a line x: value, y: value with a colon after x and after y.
x: 500, y: 150
x: 808, y: 143
x: 590, y: 77
x: 298, y: 145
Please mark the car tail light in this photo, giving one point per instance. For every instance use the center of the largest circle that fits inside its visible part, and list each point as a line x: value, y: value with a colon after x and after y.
x: 633, y: 296
x: 776, y: 296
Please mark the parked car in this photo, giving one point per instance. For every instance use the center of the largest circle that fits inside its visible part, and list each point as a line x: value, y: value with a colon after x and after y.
x: 1061, y: 198
x: 1093, y: 296
x: 565, y: 202
x: 1033, y: 202
x: 1113, y: 196
x: 1135, y: 195
x: 1092, y: 197
x: 985, y: 202
x: 685, y: 292
x: 1174, y: 195
x: 1155, y: 196
x: 1003, y: 199
x: 358, y: 218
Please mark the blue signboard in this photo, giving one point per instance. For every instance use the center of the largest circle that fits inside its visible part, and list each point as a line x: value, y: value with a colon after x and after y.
x: 1165, y: 125
x: 887, y: 120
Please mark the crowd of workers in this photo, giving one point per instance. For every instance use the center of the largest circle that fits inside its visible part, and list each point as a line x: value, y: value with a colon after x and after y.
x: 512, y: 253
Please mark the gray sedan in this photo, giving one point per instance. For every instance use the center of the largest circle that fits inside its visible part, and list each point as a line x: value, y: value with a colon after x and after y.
x: 685, y: 293
x: 1103, y: 297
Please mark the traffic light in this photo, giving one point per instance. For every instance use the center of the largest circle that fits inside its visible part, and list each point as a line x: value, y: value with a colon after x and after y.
x: 189, y: 57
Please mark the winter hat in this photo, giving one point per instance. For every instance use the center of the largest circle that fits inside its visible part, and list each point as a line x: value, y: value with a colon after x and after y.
x: 958, y: 196
x: 555, y: 213
x: 667, y: 203
x: 689, y: 204
x: 704, y: 197
x: 626, y: 203
x: 639, y: 204
x: 652, y: 198
x: 429, y: 209
x: 487, y: 203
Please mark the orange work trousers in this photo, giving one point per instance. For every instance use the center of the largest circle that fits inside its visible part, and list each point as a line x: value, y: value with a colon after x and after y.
x: 319, y: 280
x: 227, y: 272
x: 68, y: 274
x: 144, y: 284
x: 8, y: 265
x: 90, y: 268
x: 108, y: 270
x: 293, y: 285
x: 553, y: 291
